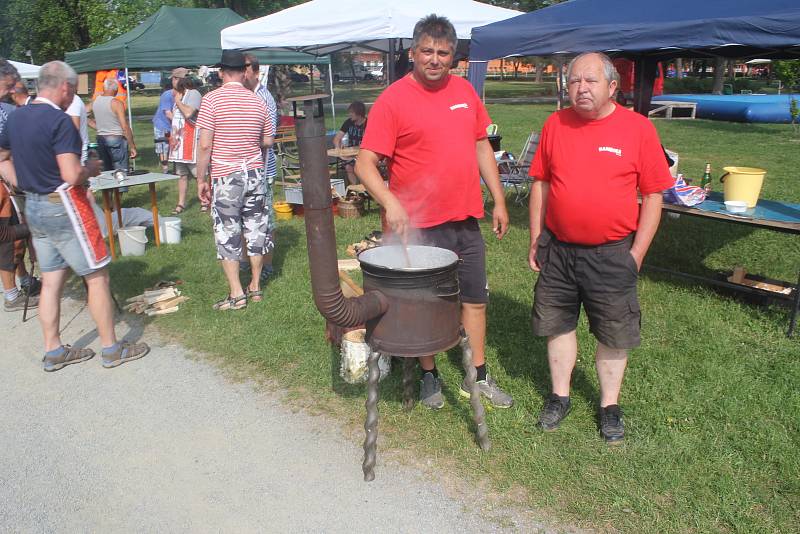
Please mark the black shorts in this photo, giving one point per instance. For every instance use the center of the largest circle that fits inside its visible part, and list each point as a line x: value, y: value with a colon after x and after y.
x: 602, y: 278
x: 465, y: 239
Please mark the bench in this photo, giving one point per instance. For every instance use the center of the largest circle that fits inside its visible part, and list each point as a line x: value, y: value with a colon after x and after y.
x: 668, y: 108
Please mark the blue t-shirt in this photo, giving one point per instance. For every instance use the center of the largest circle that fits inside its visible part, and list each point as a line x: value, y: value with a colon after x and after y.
x: 36, y: 134
x: 165, y: 103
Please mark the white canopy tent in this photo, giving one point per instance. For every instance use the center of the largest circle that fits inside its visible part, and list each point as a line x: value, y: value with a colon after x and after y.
x: 320, y: 27
x: 26, y: 70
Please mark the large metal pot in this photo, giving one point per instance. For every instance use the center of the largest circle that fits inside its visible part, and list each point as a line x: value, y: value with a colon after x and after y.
x: 423, y: 316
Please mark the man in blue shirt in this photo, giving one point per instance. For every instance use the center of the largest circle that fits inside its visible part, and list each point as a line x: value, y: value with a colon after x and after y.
x: 12, y: 244
x: 162, y: 124
x: 46, y: 149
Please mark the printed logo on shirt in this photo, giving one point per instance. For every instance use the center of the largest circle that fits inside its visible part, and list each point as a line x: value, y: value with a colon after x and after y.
x: 616, y: 151
x: 459, y: 106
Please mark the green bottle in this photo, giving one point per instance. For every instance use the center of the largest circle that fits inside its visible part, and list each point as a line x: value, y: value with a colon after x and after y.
x: 705, y: 183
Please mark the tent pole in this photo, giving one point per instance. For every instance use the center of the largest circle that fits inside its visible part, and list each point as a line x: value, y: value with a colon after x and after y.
x: 645, y: 70
x: 333, y: 104
x: 392, y: 74
x: 130, y: 116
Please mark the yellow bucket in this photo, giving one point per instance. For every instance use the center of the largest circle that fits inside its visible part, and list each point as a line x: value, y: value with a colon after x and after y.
x: 283, y: 210
x: 743, y: 183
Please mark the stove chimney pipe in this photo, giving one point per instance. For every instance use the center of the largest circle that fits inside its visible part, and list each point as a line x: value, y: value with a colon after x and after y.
x: 320, y: 232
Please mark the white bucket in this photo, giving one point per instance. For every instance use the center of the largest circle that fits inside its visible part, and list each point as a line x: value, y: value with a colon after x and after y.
x: 170, y: 230
x: 132, y: 240
x: 353, y: 365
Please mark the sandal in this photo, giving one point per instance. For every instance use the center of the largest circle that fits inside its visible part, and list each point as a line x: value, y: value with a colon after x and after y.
x: 178, y: 209
x: 232, y: 303
x: 255, y: 296
x: 204, y: 207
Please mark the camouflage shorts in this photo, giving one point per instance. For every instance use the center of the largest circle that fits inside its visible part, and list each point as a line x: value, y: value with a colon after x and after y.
x: 240, y: 217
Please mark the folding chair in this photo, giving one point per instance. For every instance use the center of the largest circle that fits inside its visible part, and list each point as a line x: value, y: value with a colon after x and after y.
x: 514, y: 172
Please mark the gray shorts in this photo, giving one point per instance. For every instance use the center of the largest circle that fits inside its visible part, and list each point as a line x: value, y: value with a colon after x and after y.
x: 57, y: 247
x: 240, y: 216
x: 186, y: 169
x: 465, y: 239
x: 602, y: 278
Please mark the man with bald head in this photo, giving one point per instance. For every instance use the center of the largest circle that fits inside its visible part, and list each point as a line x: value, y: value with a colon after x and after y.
x: 589, y: 236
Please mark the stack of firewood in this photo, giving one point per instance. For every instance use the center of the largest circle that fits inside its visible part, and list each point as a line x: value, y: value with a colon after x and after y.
x: 162, y: 299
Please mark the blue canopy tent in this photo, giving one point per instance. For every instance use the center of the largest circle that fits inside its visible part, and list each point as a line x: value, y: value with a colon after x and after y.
x: 647, y: 32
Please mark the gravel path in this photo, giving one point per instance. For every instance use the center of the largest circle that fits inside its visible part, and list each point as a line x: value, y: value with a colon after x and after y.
x: 168, y: 443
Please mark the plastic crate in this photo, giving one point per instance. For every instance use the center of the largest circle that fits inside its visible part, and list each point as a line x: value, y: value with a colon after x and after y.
x: 294, y: 193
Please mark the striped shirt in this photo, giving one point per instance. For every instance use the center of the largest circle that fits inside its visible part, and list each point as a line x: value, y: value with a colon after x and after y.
x: 272, y: 111
x: 238, y: 119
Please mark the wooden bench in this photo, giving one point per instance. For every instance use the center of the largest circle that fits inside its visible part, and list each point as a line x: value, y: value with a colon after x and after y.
x: 668, y: 107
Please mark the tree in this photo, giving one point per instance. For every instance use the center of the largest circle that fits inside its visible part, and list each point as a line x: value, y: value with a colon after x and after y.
x: 788, y: 72
x: 50, y: 28
x: 719, y: 75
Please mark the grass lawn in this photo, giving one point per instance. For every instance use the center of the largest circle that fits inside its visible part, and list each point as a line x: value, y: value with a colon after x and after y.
x: 711, y: 397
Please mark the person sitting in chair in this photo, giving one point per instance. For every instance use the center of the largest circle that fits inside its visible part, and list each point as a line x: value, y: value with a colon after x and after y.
x: 350, y: 134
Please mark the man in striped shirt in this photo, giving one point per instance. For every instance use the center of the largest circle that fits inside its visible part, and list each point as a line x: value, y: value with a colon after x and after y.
x: 252, y: 82
x: 234, y: 129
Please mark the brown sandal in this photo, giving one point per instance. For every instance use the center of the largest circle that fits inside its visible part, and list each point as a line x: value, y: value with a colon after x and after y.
x: 255, y: 296
x: 231, y: 303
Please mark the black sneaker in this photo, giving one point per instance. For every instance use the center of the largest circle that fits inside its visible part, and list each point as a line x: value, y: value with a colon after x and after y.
x: 430, y: 392
x: 612, y: 427
x: 553, y: 412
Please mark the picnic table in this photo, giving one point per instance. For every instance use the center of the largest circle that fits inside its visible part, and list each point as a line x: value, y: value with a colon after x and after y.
x: 344, y: 152
x: 108, y: 185
x: 770, y: 215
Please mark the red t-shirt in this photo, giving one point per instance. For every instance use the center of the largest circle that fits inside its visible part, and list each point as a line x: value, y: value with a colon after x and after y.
x: 594, y: 169
x: 429, y: 137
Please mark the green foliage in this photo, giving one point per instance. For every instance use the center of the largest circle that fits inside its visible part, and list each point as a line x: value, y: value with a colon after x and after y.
x: 50, y: 28
x: 695, y: 85
x: 524, y: 5
x: 788, y: 71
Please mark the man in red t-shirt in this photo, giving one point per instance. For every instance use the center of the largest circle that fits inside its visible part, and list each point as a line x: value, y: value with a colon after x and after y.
x: 432, y: 128
x: 588, y: 234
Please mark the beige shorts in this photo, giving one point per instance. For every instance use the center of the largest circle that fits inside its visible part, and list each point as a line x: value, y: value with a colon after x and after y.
x: 186, y: 169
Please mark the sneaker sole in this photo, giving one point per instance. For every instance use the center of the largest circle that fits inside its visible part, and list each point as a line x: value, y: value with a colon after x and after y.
x: 117, y: 363
x: 613, y: 441
x: 466, y: 395
x: 59, y: 366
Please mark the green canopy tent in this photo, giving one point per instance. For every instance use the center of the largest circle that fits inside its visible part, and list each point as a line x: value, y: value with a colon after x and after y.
x: 174, y: 37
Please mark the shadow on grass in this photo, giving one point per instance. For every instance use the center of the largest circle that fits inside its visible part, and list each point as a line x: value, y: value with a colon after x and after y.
x: 131, y: 277
x: 286, y: 239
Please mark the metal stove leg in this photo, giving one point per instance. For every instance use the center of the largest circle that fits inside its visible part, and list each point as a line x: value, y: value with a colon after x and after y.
x: 371, y: 423
x: 795, y: 308
x: 409, y: 367
x: 478, y: 412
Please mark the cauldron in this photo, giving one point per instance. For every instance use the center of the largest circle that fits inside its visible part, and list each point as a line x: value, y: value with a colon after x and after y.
x: 423, y: 317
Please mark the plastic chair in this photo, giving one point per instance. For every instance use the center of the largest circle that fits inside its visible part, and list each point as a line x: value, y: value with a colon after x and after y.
x: 514, y: 171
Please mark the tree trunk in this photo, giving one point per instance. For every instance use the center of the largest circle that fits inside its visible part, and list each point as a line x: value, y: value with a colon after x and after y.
x: 540, y: 65
x: 719, y: 75
x: 502, y: 69
x: 678, y: 67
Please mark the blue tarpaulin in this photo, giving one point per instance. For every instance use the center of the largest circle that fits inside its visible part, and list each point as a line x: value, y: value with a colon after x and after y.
x: 665, y: 29
x: 647, y: 31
